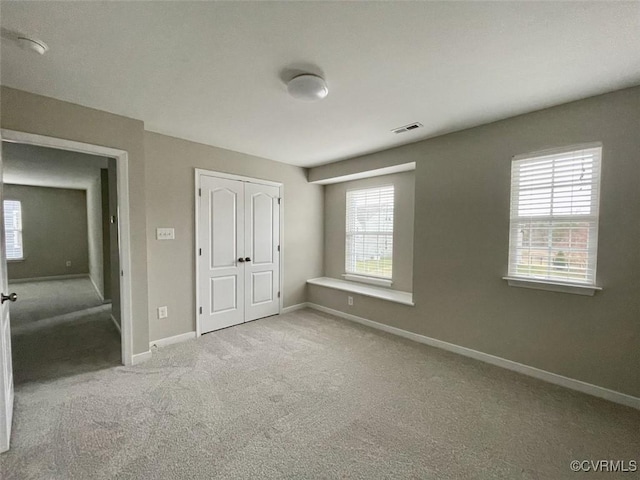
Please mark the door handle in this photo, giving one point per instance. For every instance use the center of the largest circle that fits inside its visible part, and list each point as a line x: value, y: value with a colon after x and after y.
x: 12, y: 297
x: 247, y: 259
x: 241, y: 260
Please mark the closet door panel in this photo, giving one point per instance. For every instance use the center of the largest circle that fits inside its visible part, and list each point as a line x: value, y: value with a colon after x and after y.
x: 221, y: 232
x: 262, y: 239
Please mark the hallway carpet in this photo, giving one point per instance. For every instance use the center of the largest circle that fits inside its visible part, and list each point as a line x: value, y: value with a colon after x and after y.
x: 306, y: 395
x: 75, y: 343
x: 41, y: 300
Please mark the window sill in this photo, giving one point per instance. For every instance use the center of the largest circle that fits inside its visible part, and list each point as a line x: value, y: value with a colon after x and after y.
x: 405, y: 298
x: 380, y: 282
x: 562, y: 287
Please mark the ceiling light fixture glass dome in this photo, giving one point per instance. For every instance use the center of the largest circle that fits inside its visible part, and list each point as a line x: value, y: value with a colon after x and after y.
x: 308, y: 88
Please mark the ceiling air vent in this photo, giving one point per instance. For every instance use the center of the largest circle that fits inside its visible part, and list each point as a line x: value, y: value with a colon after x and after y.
x: 407, y: 128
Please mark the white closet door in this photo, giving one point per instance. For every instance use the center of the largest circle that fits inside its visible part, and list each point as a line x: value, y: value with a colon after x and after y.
x: 221, y: 272
x: 262, y: 262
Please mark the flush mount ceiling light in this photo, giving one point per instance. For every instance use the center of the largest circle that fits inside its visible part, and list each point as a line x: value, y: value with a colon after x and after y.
x: 308, y: 87
x: 32, y: 44
x: 24, y: 41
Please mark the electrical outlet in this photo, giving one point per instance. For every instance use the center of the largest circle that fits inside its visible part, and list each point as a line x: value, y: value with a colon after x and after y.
x: 162, y: 312
x: 68, y: 263
x: 350, y: 301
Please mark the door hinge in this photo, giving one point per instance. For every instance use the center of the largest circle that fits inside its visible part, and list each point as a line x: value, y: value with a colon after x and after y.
x: 279, y: 200
x: 199, y: 192
x: 278, y: 294
x: 122, y: 273
x: 200, y: 310
x: 278, y: 247
x: 200, y: 251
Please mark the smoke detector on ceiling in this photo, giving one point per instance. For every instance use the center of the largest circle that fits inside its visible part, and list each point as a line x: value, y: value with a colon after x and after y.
x: 407, y: 128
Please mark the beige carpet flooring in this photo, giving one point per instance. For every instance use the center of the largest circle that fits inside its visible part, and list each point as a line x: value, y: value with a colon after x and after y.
x: 83, y: 342
x: 60, y: 328
x: 306, y: 395
x: 42, y: 300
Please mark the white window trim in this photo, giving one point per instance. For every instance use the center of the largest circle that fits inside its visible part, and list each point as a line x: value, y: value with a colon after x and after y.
x: 546, y: 284
x: 362, y: 277
x: 371, y: 280
x: 562, y: 287
x: 558, y: 150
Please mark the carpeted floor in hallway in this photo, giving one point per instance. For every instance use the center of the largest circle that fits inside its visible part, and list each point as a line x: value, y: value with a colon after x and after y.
x: 61, y: 328
x: 85, y: 342
x: 306, y: 395
x: 41, y: 300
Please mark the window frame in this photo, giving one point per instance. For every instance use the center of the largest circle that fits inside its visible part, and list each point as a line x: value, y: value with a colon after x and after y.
x: 361, y: 277
x: 562, y: 284
x: 21, y: 229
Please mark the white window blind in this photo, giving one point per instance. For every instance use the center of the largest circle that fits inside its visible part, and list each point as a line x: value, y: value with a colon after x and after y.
x: 554, y: 216
x: 369, y: 232
x: 13, y: 229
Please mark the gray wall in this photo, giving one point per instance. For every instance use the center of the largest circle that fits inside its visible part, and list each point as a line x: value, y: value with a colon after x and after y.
x: 460, y: 233
x: 54, y: 231
x: 461, y: 247
x: 335, y: 204
x: 170, y: 162
x: 26, y: 112
x: 170, y: 203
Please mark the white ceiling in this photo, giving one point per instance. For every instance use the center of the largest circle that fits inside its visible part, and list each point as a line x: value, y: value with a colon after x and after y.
x: 48, y: 167
x: 213, y: 72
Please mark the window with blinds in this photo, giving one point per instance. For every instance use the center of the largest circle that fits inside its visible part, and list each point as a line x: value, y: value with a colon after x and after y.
x: 554, y: 216
x: 13, y: 229
x: 369, y: 232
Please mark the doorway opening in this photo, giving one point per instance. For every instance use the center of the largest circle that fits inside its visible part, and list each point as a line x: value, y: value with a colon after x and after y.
x: 93, y: 287
x: 62, y: 261
x: 121, y: 253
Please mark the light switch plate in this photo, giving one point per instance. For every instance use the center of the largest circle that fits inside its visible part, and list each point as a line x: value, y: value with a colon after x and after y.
x: 165, y: 233
x: 162, y: 312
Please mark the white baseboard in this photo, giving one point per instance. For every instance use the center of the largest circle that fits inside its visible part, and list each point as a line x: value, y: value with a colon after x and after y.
x: 163, y: 342
x: 573, y: 384
x: 53, y: 277
x: 115, y: 322
x: 139, y: 358
x: 95, y: 287
x: 293, y: 308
